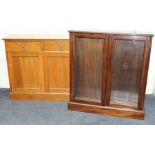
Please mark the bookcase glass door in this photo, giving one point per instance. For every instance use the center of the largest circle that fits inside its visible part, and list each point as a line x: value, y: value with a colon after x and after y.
x: 126, y: 68
x: 88, y: 68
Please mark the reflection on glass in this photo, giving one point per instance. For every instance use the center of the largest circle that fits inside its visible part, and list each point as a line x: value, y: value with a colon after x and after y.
x: 126, y: 71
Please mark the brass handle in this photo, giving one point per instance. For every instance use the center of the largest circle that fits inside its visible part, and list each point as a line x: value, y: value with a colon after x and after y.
x: 61, y: 47
x: 23, y: 46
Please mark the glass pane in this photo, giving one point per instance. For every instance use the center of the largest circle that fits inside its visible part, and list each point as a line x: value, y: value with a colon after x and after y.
x: 88, y: 68
x: 126, y: 71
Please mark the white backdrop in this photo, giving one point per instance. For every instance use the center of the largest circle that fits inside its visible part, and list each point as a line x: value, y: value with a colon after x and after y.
x: 59, y: 16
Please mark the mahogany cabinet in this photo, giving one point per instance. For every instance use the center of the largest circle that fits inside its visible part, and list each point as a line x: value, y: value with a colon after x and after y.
x: 108, y: 72
x: 38, y: 67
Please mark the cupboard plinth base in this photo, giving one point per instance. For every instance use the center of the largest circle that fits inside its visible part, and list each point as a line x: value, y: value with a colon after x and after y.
x: 118, y: 112
x: 40, y: 96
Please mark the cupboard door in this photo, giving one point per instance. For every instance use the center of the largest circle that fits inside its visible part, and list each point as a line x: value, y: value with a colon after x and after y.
x: 25, y: 71
x: 56, y: 70
x: 87, y: 73
x: 126, y: 65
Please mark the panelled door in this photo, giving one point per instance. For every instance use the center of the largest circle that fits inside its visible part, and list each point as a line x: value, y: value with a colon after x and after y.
x: 127, y: 57
x: 88, y: 67
x: 56, y: 69
x: 26, y: 74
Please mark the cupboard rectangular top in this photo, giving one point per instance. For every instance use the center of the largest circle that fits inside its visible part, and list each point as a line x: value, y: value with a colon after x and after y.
x: 36, y: 37
x: 117, y: 32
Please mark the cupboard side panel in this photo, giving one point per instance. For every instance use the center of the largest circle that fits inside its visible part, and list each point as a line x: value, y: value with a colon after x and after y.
x: 144, y: 74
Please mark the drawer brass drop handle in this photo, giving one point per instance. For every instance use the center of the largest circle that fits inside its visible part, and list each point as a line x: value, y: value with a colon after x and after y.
x: 61, y: 47
x: 23, y: 46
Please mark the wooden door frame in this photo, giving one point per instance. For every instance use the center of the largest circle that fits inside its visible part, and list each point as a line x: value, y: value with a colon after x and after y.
x: 145, y: 64
x: 73, y: 35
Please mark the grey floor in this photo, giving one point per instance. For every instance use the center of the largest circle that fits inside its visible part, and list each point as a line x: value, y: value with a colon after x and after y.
x: 48, y: 113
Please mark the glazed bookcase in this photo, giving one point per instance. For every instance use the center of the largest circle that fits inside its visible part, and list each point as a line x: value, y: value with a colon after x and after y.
x: 108, y: 72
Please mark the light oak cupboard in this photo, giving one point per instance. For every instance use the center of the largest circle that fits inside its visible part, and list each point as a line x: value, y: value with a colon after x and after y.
x: 38, y: 67
x: 109, y: 72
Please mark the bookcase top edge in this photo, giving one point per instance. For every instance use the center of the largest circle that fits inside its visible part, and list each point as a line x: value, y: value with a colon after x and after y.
x: 115, y: 32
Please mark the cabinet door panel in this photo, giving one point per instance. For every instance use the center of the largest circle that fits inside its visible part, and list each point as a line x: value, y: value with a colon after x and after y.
x: 56, y: 66
x: 126, y: 69
x: 25, y: 71
x: 88, y: 69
